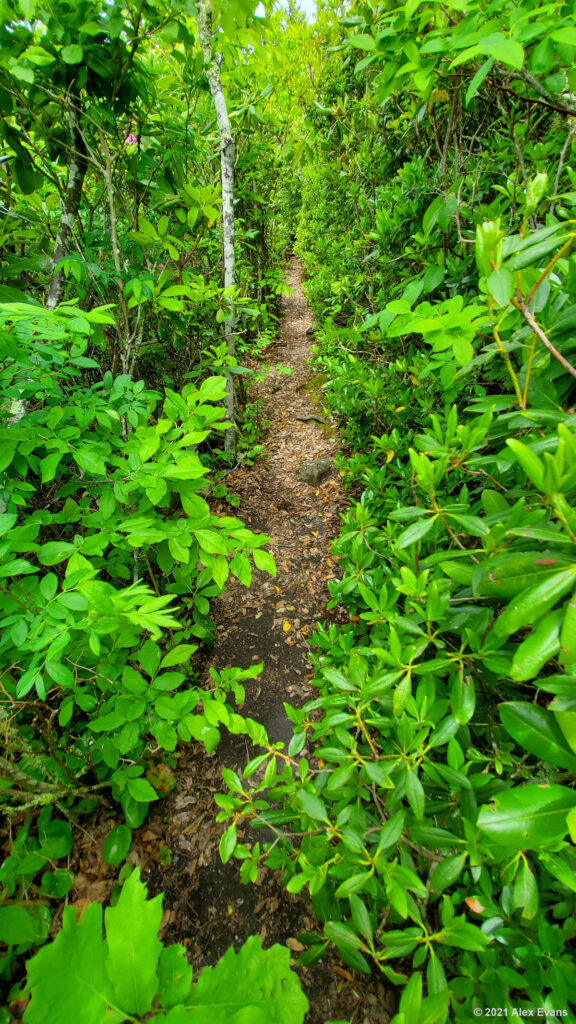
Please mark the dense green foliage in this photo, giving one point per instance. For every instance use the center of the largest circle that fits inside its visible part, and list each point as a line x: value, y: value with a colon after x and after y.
x: 431, y: 149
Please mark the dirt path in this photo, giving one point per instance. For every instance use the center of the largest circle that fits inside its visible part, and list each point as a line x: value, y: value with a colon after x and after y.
x: 207, y: 907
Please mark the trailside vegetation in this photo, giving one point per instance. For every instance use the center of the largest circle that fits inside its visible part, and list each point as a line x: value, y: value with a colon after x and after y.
x: 157, y: 162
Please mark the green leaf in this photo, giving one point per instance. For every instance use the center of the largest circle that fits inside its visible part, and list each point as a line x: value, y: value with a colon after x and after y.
x: 538, y: 732
x: 361, y: 917
x: 391, y: 832
x: 133, y: 946
x: 49, y: 465
x: 141, y: 790
x: 525, y: 892
x: 55, y: 551
x: 341, y: 935
x: 18, y: 926
x: 529, y: 461
x: 534, y: 652
x: 211, y: 542
x: 568, y: 634
x: 532, y: 603
x: 7, y: 521
x: 500, y: 285
x: 362, y: 41
x: 251, y: 985
x: 264, y: 560
x: 116, y: 845
x: 178, y: 655
x: 415, y: 532
x: 528, y: 817
x: 356, y: 883
x: 175, y: 976
x: 72, y: 54
x: 447, y: 872
x: 415, y: 793
x: 55, y: 838
x: 311, y: 805
x: 89, y: 461
x: 479, y: 77
x: 228, y: 843
x: 57, y: 883
x: 68, y: 979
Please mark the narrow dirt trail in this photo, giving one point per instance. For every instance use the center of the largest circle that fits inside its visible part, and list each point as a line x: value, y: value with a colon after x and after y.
x: 208, y: 909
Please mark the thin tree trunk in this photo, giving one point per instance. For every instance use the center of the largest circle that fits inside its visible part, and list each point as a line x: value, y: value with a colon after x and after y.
x: 212, y: 69
x: 77, y: 166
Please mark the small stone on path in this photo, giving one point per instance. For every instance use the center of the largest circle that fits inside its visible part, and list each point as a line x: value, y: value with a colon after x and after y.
x: 315, y: 471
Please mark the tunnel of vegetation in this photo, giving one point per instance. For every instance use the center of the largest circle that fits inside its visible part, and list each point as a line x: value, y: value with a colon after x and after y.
x: 157, y: 162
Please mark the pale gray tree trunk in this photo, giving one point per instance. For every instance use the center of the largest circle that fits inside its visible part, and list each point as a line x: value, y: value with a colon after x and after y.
x: 77, y: 166
x: 212, y: 69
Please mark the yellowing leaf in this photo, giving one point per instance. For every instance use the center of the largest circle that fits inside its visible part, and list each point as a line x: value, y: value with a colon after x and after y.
x: 474, y: 905
x: 389, y: 455
x: 286, y: 626
x: 313, y: 532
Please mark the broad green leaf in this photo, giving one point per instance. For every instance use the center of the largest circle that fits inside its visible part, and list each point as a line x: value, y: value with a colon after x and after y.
x: 141, y: 790
x: 525, y: 892
x: 18, y: 926
x: 362, y: 42
x: 538, y: 732
x: 529, y: 461
x: 49, y: 465
x: 342, y: 935
x: 178, y: 655
x: 528, y: 606
x: 175, y: 976
x: 311, y: 805
x: 528, y: 817
x: 264, y: 560
x: 67, y: 978
x: 133, y: 946
x: 361, y: 917
x: 447, y: 872
x: 415, y: 532
x: 89, y: 461
x: 356, y: 883
x: 534, y: 652
x: 116, y: 845
x: 251, y: 985
x: 72, y: 54
x: 55, y: 551
x: 55, y: 838
x: 500, y: 284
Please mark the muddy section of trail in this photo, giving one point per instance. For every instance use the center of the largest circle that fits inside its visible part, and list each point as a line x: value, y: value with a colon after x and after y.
x: 207, y: 908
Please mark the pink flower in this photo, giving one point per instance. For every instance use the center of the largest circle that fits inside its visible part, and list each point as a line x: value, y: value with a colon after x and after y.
x: 131, y: 140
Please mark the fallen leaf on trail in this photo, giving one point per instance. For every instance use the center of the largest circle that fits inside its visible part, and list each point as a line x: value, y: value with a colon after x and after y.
x: 313, y: 532
x: 343, y: 973
x: 286, y: 626
x: 295, y: 945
